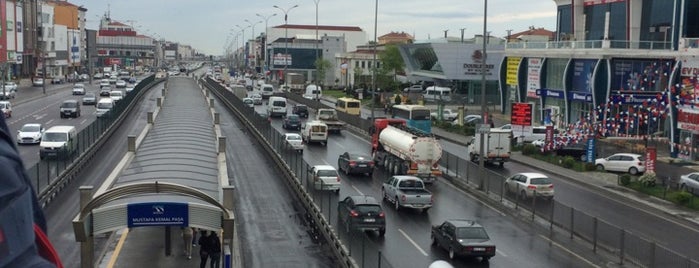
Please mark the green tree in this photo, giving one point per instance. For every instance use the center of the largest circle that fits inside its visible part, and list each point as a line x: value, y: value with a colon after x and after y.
x: 322, y: 68
x: 391, y: 60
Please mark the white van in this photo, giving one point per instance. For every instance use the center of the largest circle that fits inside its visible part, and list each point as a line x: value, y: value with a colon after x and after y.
x: 538, y: 133
x: 315, y: 131
x: 104, y: 106
x: 313, y: 92
x: 436, y: 93
x: 276, y: 106
x: 59, y: 142
x: 267, y: 91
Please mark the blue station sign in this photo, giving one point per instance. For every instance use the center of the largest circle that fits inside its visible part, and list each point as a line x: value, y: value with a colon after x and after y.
x: 590, y: 150
x: 158, y: 214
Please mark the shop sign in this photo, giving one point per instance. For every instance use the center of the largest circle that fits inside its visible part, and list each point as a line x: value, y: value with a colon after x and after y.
x: 578, y: 96
x: 521, y: 114
x: 636, y: 97
x: 512, y: 68
x: 550, y: 93
x: 688, y: 120
x: 651, y: 156
x: 534, y: 77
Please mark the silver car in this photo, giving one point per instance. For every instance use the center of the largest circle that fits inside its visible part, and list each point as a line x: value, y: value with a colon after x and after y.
x: 690, y: 182
x: 528, y: 185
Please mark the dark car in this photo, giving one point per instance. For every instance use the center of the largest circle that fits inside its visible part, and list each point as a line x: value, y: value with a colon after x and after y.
x: 576, y: 150
x: 300, y: 110
x: 355, y: 163
x: 104, y: 91
x: 292, y: 121
x: 70, y: 108
x: 362, y: 213
x: 464, y: 238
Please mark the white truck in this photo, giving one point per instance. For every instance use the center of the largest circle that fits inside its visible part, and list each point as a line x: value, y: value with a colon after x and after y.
x: 402, y: 150
x: 329, y: 117
x: 408, y: 192
x: 496, y: 146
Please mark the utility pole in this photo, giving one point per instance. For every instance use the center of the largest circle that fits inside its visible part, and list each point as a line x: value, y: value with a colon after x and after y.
x: 286, y: 37
x: 462, y: 34
x: 373, y: 71
x: 484, y: 113
x: 445, y: 34
x: 316, y: 41
x: 264, y: 45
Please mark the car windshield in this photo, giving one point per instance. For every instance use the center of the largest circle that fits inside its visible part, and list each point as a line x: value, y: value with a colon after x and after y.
x: 540, y: 181
x: 301, y: 108
x: 293, y: 118
x: 69, y: 104
x: 89, y: 95
x: 55, y: 137
x: 327, y: 173
x: 471, y: 233
x: 3, y: 105
x: 359, y: 157
x: 30, y: 128
x: 368, y: 209
x: 104, y: 105
x: 293, y: 137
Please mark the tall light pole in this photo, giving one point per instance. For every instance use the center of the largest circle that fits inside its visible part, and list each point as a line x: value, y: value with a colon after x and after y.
x: 373, y: 71
x: 316, y: 60
x: 243, y: 30
x: 264, y: 45
x: 286, y: 36
x: 252, y: 36
x: 484, y: 113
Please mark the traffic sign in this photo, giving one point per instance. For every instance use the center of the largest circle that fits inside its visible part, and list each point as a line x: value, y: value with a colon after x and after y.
x: 483, y: 129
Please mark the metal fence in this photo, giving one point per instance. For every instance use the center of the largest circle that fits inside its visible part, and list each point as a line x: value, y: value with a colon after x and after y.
x: 48, y: 171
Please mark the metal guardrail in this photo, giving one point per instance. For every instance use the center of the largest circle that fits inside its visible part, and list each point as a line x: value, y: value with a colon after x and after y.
x: 49, y: 176
x: 261, y: 129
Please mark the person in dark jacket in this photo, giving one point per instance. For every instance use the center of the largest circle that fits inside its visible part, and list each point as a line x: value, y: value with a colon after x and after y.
x: 215, y: 249
x: 204, y: 248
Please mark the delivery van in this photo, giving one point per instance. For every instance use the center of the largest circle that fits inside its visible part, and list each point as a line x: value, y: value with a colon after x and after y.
x: 276, y: 106
x: 315, y: 131
x: 58, y: 141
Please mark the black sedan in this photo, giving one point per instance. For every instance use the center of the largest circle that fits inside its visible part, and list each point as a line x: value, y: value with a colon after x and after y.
x: 362, y: 213
x: 292, y: 121
x: 300, y: 110
x: 464, y: 238
x: 355, y: 163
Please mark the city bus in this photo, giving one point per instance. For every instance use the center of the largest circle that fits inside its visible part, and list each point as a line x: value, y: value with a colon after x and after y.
x: 417, y: 116
x: 349, y: 105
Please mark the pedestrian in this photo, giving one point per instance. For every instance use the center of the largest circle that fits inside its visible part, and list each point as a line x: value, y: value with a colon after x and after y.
x: 194, y: 236
x: 204, y: 246
x: 187, y: 234
x: 215, y: 250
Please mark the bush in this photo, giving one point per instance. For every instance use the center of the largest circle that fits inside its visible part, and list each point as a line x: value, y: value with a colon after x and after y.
x: 647, y: 179
x: 529, y: 149
x: 568, y: 162
x: 683, y: 198
x: 590, y: 167
x: 625, y: 179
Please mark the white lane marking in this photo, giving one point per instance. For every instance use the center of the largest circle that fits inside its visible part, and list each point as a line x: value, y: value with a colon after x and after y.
x: 83, y: 122
x: 569, y: 252
x: 500, y: 252
x: 48, y: 123
x: 474, y: 198
x: 413, y: 242
x: 358, y: 191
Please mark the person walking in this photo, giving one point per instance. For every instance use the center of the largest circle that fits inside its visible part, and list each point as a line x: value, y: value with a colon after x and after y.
x: 204, y: 246
x: 187, y: 234
x: 215, y: 255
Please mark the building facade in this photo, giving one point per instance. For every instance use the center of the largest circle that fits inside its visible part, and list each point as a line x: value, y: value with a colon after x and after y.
x: 120, y: 45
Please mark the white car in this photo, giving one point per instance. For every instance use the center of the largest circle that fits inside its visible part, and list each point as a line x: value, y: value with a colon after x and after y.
x: 325, y: 177
x: 622, y: 162
x: 294, y: 142
x: 116, y: 95
x: 249, y: 102
x: 528, y: 185
x: 9, y: 85
x: 78, y: 89
x: 7, y: 94
x: 129, y: 88
x: 37, y: 82
x: 539, y: 143
x: 120, y: 83
x: 30, y: 134
x: 104, y: 83
x: 256, y: 98
x: 690, y: 183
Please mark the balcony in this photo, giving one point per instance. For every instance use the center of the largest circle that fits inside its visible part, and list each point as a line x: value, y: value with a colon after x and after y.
x: 594, y: 44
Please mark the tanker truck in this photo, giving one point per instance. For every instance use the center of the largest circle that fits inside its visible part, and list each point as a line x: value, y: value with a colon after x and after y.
x: 402, y: 150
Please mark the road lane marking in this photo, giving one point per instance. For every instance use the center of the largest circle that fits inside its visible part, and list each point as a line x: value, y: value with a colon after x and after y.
x: 500, y: 252
x: 358, y: 191
x: 117, y: 249
x: 48, y: 123
x: 83, y: 122
x: 474, y: 197
x: 413, y: 242
x: 569, y: 252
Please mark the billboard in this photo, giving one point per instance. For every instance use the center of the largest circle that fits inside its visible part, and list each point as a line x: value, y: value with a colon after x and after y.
x: 512, y: 68
x: 534, y: 77
x: 640, y: 74
x: 582, y: 74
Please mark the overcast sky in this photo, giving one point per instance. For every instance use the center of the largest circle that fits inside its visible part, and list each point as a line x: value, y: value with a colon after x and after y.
x: 206, y: 24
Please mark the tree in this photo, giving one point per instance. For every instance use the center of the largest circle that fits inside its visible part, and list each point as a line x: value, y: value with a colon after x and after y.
x: 322, y: 67
x: 391, y: 60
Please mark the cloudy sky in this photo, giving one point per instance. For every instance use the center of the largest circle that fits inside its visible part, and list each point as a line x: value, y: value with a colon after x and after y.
x: 206, y: 24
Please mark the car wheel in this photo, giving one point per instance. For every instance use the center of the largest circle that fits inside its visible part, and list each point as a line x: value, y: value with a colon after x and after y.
x: 451, y: 253
x: 382, y: 232
x: 600, y: 167
x: 633, y: 171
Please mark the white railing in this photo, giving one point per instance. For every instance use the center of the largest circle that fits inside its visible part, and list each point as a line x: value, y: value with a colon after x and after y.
x: 594, y: 44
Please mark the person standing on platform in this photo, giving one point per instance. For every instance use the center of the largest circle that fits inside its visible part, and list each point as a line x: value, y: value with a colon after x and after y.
x: 215, y: 250
x: 204, y: 247
x: 187, y: 234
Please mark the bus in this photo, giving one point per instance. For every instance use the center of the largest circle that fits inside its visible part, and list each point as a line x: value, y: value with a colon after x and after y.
x: 349, y: 105
x: 417, y: 116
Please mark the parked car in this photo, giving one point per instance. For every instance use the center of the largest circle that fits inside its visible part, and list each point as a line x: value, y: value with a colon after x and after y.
x: 37, y: 82
x: 291, y: 121
x: 300, y: 110
x: 293, y: 141
x: 249, y: 102
x: 407, y: 191
x: 690, y: 183
x: 30, y: 133
x: 539, y: 143
x: 464, y: 238
x: 413, y: 89
x: 447, y: 115
x: 622, y: 162
x: 362, y: 213
x: 6, y: 108
x: 89, y: 99
x: 325, y: 177
x: 530, y: 185
x: 7, y: 94
x: 70, y: 108
x: 352, y: 163
x: 256, y: 99
x: 78, y: 89
x: 9, y: 85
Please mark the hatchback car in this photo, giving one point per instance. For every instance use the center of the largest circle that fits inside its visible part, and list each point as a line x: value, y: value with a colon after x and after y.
x: 120, y: 83
x: 9, y: 85
x: 70, y: 108
x: 249, y: 102
x: 292, y: 121
x: 576, y: 150
x: 690, y: 183
x: 464, y: 238
x: 257, y: 99
x: 30, y: 134
x: 6, y: 108
x: 78, y: 89
x: 622, y: 162
x: 293, y: 141
x: 89, y: 99
x: 37, y: 82
x: 300, y: 110
x: 529, y: 185
x: 355, y: 163
x: 362, y: 213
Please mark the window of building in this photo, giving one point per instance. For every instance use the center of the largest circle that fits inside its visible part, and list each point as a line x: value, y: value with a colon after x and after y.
x: 356, y: 64
x: 565, y: 23
x: 363, y: 65
x: 53, y: 46
x: 554, y: 73
x: 692, y: 19
x: 595, y: 16
x: 656, y: 21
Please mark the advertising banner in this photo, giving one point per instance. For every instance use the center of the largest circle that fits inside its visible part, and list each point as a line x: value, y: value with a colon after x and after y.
x: 281, y: 59
x: 651, y: 155
x: 582, y: 74
x: 534, y: 77
x: 641, y: 74
x: 521, y: 114
x: 512, y: 68
x: 600, y: 2
x: 548, y: 138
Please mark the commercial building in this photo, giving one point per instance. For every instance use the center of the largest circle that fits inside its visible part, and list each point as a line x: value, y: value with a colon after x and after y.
x: 120, y: 45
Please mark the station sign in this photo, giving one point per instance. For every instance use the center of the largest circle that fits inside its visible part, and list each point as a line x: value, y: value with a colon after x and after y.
x: 521, y: 114
x: 158, y: 214
x: 590, y: 153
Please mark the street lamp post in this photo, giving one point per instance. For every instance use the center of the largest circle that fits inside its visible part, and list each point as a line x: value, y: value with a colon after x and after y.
x: 252, y: 36
x: 243, y: 39
x: 264, y: 45
x: 316, y: 41
x: 484, y: 113
x: 286, y: 36
x: 373, y: 71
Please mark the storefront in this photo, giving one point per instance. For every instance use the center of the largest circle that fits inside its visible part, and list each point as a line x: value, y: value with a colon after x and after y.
x: 580, y: 93
x: 553, y: 102
x: 533, y: 69
x: 688, y: 110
